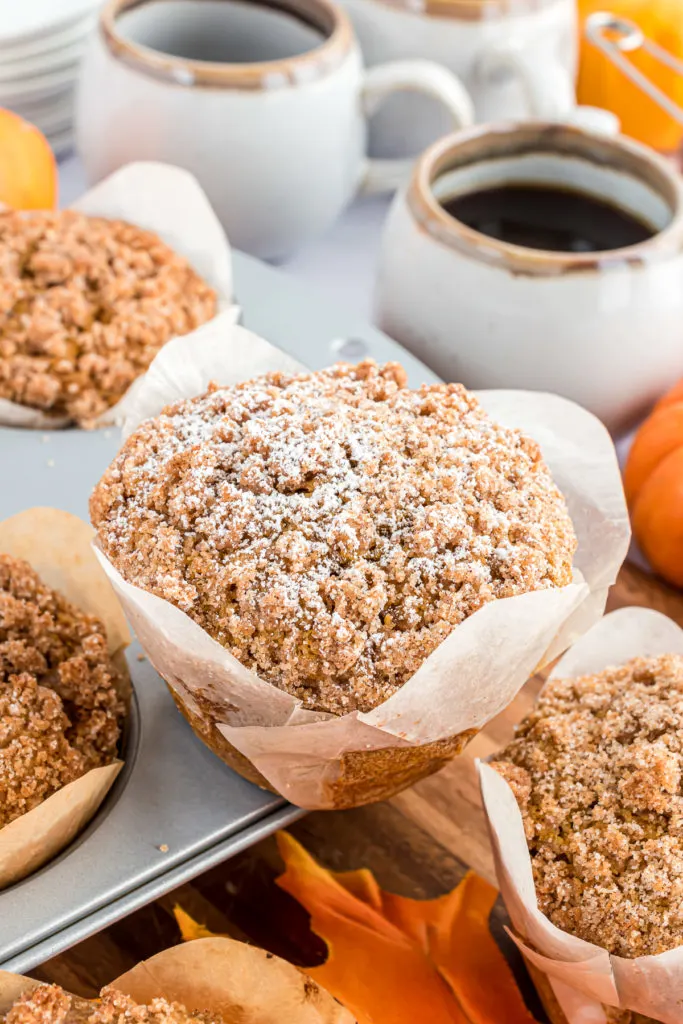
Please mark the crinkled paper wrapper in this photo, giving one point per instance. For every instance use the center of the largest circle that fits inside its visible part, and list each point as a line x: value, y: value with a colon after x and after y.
x: 59, y: 547
x: 170, y: 202
x: 240, y: 984
x: 577, y: 979
x: 322, y: 761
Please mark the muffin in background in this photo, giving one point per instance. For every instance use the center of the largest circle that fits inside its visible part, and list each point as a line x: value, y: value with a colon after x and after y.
x: 85, y: 305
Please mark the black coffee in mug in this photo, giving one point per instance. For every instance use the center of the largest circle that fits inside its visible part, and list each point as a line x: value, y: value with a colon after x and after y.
x: 548, y: 217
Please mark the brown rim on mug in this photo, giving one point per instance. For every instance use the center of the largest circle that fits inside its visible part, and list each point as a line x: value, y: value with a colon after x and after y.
x: 488, y: 143
x: 468, y: 10
x: 331, y: 21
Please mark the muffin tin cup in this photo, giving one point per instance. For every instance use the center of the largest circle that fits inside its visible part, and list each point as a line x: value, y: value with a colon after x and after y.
x: 322, y: 761
x: 226, y: 979
x: 58, y: 546
x: 576, y: 979
x: 169, y: 202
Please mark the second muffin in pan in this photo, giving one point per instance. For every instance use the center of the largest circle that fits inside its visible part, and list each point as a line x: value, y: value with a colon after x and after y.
x: 65, y: 691
x: 596, y: 771
x: 591, y: 865
x: 61, y: 703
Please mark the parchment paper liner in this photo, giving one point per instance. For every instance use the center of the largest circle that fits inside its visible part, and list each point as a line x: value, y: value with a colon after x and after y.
x: 577, y: 977
x: 321, y: 761
x: 243, y: 984
x: 170, y: 202
x: 59, y: 547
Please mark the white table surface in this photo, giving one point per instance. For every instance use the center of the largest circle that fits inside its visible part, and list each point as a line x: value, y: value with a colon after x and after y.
x: 341, y: 264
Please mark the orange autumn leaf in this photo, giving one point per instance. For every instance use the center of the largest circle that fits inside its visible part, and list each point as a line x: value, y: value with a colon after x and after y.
x: 28, y: 171
x: 189, y: 928
x: 394, y: 960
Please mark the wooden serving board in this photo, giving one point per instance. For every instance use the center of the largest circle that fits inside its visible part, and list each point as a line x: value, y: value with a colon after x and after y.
x: 420, y: 844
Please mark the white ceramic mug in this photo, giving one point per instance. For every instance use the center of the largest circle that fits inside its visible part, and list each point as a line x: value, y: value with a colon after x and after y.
x: 602, y: 328
x: 265, y: 101
x: 516, y: 58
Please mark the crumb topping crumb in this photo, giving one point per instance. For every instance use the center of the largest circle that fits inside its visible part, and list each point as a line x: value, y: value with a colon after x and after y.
x: 50, y: 1004
x: 85, y: 305
x: 596, y: 771
x: 60, y: 709
x: 331, y: 529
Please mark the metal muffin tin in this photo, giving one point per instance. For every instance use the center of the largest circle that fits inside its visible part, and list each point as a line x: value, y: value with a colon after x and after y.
x: 175, y: 809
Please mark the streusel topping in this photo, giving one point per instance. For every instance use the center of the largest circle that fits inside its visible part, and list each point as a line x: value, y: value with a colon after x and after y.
x: 60, y: 708
x: 85, y: 305
x: 331, y: 529
x: 596, y: 770
x: 50, y: 1004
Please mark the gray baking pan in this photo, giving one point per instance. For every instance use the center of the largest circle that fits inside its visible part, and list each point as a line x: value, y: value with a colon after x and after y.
x: 176, y: 809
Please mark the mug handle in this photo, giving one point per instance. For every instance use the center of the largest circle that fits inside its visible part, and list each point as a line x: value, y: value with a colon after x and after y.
x: 594, y: 119
x: 547, y: 84
x: 423, y: 76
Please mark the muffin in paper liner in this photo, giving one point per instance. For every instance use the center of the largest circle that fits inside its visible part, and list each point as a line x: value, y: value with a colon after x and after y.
x: 169, y: 202
x: 579, y: 982
x: 238, y: 983
x: 58, y: 546
x: 318, y: 760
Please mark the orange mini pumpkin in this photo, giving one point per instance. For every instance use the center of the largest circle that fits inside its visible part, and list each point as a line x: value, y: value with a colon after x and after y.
x: 653, y: 480
x: 28, y: 172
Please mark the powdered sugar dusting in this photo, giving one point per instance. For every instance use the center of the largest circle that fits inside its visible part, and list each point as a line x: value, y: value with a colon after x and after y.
x: 331, y: 529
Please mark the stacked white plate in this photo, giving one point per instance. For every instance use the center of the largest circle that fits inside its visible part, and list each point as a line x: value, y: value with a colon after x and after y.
x: 41, y: 44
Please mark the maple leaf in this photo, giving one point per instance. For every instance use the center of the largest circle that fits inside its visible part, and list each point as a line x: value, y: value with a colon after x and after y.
x: 395, y: 960
x: 191, y: 929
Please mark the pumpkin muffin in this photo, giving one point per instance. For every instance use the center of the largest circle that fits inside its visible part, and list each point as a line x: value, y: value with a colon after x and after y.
x: 60, y: 709
x: 596, y: 771
x: 85, y: 305
x: 331, y: 529
x: 50, y: 1004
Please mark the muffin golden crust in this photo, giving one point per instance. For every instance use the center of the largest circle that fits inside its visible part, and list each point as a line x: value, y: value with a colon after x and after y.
x: 50, y: 1004
x: 60, y: 709
x: 596, y: 771
x: 331, y: 529
x: 85, y: 305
